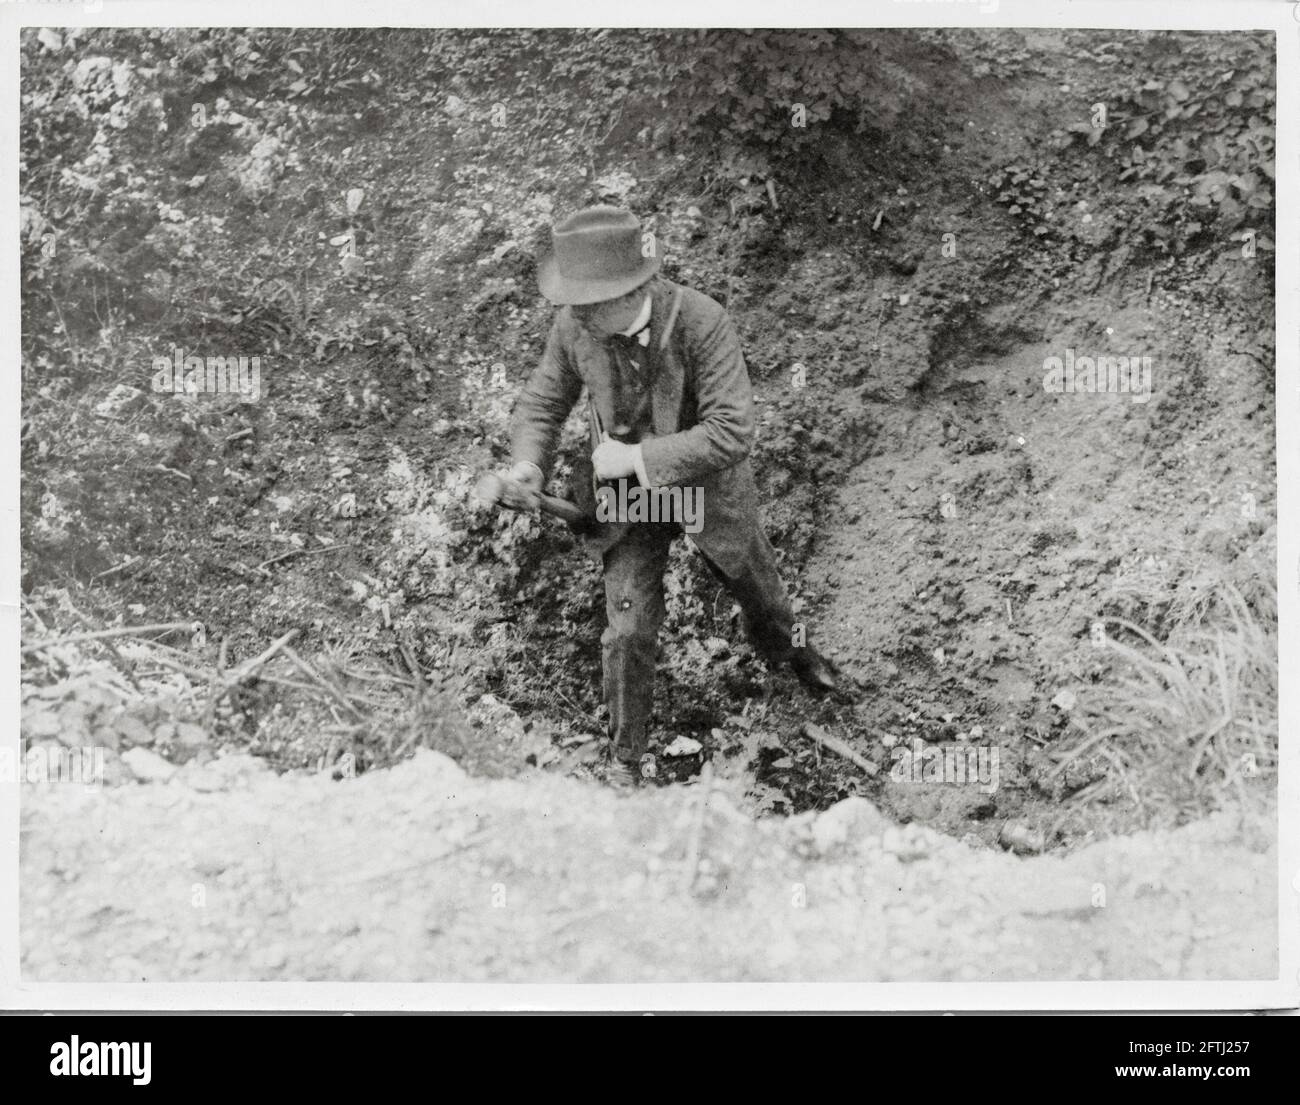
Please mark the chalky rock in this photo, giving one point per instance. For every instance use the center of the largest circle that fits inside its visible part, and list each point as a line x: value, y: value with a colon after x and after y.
x: 851, y: 820
x: 683, y: 746
x: 147, y: 766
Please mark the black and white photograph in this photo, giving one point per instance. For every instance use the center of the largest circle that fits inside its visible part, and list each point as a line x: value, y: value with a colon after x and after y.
x: 557, y: 505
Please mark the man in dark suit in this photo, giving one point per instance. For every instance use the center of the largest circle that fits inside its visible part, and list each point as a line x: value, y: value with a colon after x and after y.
x: 670, y: 405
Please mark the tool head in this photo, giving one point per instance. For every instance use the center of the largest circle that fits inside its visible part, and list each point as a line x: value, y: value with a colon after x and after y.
x: 489, y: 488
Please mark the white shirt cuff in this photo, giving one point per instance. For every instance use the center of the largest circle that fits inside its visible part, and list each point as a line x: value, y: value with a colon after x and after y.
x: 638, y: 461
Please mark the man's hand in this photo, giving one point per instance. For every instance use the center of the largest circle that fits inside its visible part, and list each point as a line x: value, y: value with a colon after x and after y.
x: 523, y: 484
x: 613, y: 460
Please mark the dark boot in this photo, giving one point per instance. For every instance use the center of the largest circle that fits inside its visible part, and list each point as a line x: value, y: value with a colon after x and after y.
x: 815, y: 672
x: 764, y: 605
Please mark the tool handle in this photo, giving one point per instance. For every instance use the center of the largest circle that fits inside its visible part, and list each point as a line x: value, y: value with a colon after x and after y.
x: 597, y: 432
x: 491, y: 487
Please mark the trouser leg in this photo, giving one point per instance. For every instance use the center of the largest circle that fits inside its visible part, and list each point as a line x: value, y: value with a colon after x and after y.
x: 764, y: 604
x: 634, y: 611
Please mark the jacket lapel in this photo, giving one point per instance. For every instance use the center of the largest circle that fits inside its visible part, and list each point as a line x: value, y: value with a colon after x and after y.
x: 597, y: 372
x: 666, y: 388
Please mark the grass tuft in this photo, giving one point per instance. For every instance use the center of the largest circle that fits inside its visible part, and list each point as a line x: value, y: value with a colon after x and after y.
x: 1184, y: 721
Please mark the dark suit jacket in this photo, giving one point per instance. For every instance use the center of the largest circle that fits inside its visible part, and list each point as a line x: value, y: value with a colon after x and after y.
x: 702, y: 406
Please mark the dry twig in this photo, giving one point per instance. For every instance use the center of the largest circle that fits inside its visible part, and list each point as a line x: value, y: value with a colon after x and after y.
x: 312, y: 674
x: 819, y: 735
x: 100, y: 634
x: 298, y: 552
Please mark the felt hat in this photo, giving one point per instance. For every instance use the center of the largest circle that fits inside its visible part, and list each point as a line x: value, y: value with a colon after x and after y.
x: 596, y: 254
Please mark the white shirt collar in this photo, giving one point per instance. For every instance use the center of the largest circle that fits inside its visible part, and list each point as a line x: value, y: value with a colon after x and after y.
x: 641, y: 326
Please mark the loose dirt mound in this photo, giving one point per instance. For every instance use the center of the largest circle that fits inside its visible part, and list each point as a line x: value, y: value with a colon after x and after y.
x: 1000, y: 531
x: 424, y: 873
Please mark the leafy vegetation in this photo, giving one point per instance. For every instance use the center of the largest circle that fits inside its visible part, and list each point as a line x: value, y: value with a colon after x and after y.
x: 1197, y: 158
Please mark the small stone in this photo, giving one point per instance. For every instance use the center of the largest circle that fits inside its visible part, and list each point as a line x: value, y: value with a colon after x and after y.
x: 239, y: 763
x: 148, y: 766
x: 40, y: 723
x: 1065, y: 700
x: 683, y: 746
x: 132, y: 729
x: 1022, y: 839
x: 191, y: 735
x: 117, y: 400
x: 116, y: 773
x: 851, y: 819
x: 905, y: 845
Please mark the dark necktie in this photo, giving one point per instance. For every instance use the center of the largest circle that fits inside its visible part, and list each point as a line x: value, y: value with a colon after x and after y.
x: 630, y: 384
x: 630, y: 343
